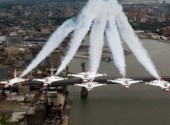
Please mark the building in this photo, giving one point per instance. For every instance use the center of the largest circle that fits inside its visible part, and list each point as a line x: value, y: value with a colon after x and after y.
x: 168, y: 10
x: 3, y: 39
x: 45, y: 30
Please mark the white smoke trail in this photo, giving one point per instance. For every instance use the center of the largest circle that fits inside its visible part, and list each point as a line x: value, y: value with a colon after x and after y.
x: 83, y: 26
x: 128, y: 35
x: 96, y: 42
x: 115, y: 45
x: 54, y: 41
x: 97, y: 37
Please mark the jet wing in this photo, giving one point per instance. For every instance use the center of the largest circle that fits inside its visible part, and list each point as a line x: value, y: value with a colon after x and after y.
x: 97, y: 75
x: 89, y: 86
x: 58, y: 78
x: 153, y: 83
x: 4, y: 82
x: 83, y: 85
x: 77, y: 75
x: 115, y: 81
x: 40, y: 80
x: 135, y: 81
x: 22, y: 80
x: 168, y: 84
x: 96, y: 84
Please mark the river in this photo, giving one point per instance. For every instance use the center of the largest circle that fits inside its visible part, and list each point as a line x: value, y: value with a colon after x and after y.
x: 113, y: 105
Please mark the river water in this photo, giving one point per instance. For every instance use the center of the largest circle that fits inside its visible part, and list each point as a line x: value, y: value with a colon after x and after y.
x: 113, y: 105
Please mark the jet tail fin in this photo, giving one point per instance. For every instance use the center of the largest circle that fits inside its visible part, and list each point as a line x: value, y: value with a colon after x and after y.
x: 15, y: 74
x: 124, y: 77
x: 160, y: 76
x: 52, y: 71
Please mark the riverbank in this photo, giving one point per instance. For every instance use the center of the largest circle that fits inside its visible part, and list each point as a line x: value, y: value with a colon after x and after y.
x: 152, y: 36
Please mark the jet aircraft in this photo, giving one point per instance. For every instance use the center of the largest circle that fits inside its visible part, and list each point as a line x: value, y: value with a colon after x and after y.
x: 87, y: 76
x: 49, y: 79
x: 126, y: 82
x: 161, y: 83
x: 89, y: 85
x: 14, y: 80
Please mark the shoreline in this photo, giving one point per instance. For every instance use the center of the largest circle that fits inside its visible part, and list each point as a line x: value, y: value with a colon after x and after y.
x: 151, y: 36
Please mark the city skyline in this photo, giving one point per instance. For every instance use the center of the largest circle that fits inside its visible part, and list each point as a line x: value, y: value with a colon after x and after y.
x: 144, y: 1
x: 138, y: 1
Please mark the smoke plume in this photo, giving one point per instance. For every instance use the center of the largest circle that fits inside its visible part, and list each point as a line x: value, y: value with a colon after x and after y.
x: 54, y: 41
x: 115, y: 45
x: 128, y: 35
x: 96, y: 43
x: 83, y: 26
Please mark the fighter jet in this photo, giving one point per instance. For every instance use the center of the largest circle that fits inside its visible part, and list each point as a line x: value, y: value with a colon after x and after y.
x: 49, y: 79
x: 89, y: 85
x: 14, y: 80
x: 87, y: 76
x: 161, y: 83
x: 126, y: 82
